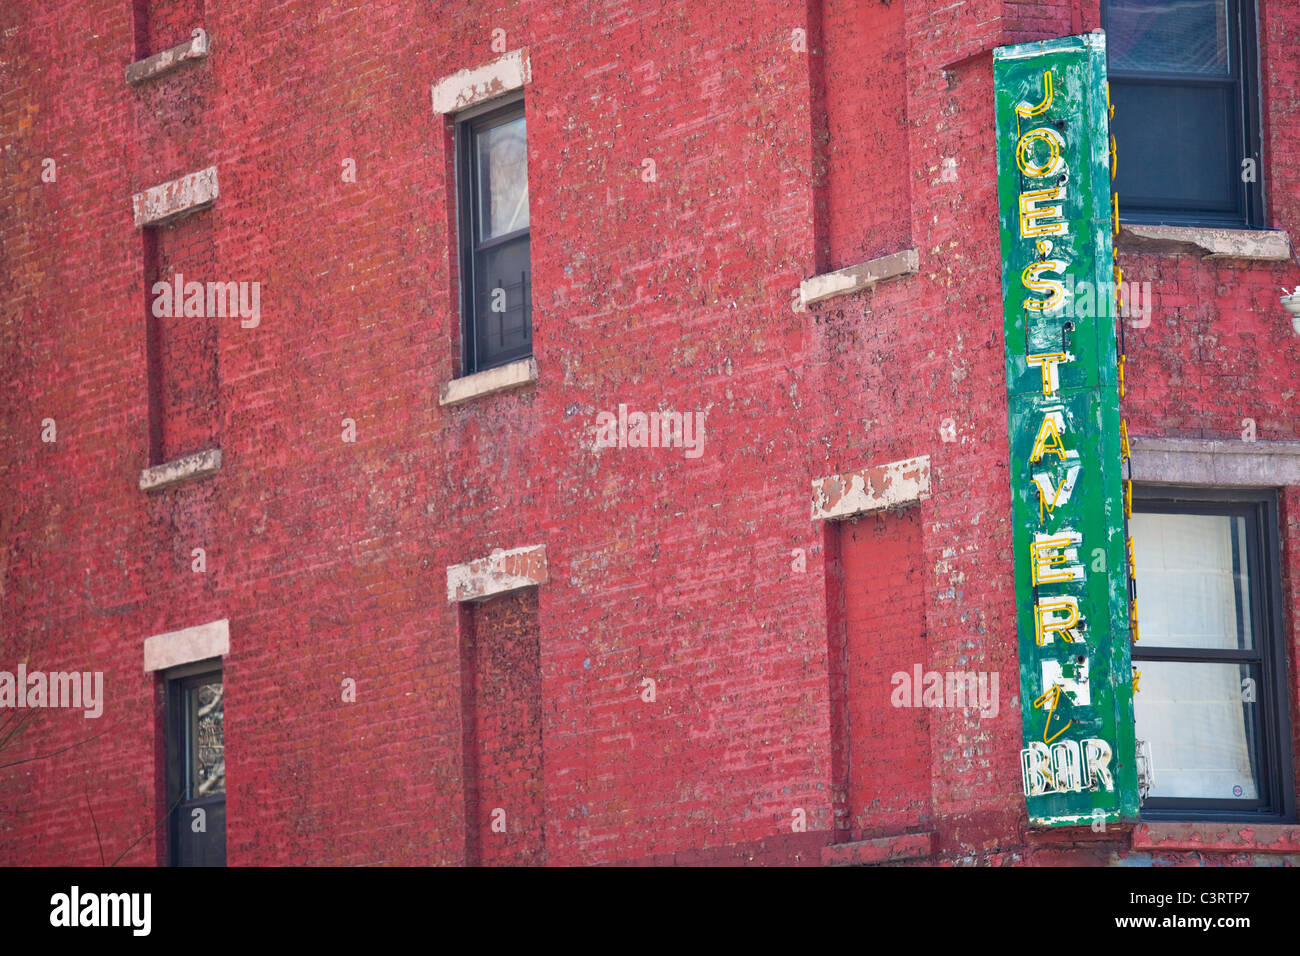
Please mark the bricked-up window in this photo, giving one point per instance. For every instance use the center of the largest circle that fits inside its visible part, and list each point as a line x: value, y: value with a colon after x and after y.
x: 184, y: 378
x: 1212, y: 698
x: 862, y: 202
x: 496, y: 292
x: 196, y: 766
x: 160, y: 24
x: 1184, y: 84
x: 880, y: 753
x: 501, y: 712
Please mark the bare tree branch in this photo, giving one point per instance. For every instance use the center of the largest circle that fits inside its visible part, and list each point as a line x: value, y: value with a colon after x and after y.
x: 150, y: 830
x: 20, y: 723
x: 54, y: 753
x: 98, y: 838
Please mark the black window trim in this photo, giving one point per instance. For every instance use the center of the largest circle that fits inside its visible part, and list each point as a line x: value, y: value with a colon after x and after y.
x: 1248, y: 87
x: 1273, y: 691
x: 467, y: 125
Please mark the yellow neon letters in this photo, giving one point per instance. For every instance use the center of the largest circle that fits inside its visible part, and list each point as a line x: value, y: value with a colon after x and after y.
x: 1025, y: 110
x: 1048, y: 361
x: 1042, y: 560
x: 1044, y: 628
x: 1030, y: 212
x: 1048, y: 441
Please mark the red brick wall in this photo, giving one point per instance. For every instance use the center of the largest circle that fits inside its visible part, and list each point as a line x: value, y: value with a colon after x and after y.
x: 329, y: 558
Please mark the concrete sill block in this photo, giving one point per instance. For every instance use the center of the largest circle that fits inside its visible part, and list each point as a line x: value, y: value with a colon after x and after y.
x: 1217, y: 837
x: 856, y: 278
x: 893, y: 485
x: 167, y: 201
x: 468, y: 88
x: 500, y: 379
x: 173, y: 472
x: 885, y: 850
x: 1266, y: 245
x: 195, y: 48
x: 499, y: 573
x: 198, y: 643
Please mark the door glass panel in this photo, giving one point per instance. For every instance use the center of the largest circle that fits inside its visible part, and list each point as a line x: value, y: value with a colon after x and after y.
x: 207, y: 717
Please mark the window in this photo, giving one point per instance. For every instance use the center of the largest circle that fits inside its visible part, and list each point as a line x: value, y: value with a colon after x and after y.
x: 492, y: 172
x: 1212, y: 699
x: 1184, y: 85
x: 196, y: 766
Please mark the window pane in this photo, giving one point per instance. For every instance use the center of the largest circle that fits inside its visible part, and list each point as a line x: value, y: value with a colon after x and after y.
x: 1193, y: 581
x: 1176, y: 146
x: 1202, y: 732
x: 503, y: 313
x: 207, y: 717
x: 1177, y: 36
x: 503, y: 179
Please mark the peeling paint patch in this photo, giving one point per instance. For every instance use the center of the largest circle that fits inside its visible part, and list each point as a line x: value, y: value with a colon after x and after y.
x: 872, y: 489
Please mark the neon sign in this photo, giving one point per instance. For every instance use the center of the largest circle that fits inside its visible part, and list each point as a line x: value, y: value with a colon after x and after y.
x: 1067, y: 443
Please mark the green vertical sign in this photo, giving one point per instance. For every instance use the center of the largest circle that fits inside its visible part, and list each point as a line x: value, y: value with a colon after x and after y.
x: 1067, y: 489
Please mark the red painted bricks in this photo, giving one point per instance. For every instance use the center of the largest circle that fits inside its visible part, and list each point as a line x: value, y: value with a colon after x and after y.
x: 329, y: 557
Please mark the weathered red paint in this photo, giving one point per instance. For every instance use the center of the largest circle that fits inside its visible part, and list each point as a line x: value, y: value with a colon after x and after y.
x: 329, y: 558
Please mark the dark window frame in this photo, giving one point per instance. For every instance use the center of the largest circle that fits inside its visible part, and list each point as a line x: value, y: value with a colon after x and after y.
x: 1246, y: 128
x: 1274, y: 749
x: 468, y: 126
x: 178, y: 753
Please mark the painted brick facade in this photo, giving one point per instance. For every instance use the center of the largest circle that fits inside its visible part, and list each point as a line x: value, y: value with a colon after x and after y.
x: 704, y: 575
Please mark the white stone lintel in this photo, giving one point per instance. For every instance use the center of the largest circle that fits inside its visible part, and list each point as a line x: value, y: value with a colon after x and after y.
x: 893, y: 485
x: 479, y: 84
x: 498, y: 573
x: 166, y: 201
x: 198, y: 643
